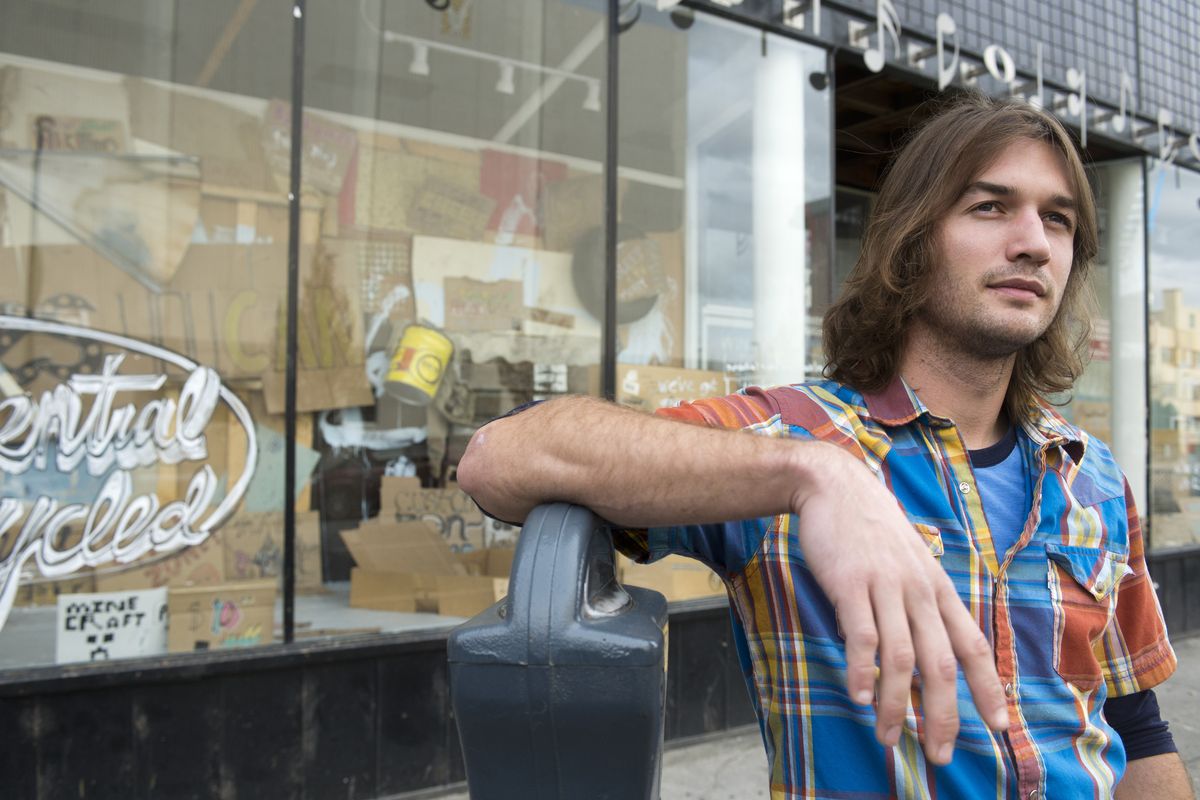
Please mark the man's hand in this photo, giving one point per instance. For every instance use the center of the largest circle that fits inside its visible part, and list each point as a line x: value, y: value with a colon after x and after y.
x: 894, y: 599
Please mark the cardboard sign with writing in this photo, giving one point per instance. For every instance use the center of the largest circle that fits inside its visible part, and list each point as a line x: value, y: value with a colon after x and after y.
x: 651, y: 387
x: 327, y: 146
x: 228, y: 615
x: 473, y: 305
x: 450, y: 511
x: 107, y: 625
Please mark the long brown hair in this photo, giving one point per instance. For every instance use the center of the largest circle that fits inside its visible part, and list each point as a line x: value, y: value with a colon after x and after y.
x: 865, y: 329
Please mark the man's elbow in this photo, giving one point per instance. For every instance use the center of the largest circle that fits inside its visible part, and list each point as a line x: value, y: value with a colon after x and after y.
x: 472, y: 470
x: 481, y: 477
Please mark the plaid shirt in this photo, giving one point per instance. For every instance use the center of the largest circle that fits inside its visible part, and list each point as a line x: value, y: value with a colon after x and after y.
x: 1070, y: 610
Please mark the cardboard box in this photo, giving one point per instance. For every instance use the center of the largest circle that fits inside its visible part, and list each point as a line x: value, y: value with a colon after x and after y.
x: 677, y: 577
x: 450, y: 511
x: 226, y: 615
x: 408, y: 566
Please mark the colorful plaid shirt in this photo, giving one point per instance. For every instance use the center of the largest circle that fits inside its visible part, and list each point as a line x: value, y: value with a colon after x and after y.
x: 1070, y: 610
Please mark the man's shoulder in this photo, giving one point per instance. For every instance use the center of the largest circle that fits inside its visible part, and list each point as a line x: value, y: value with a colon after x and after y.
x: 811, y: 406
x: 1097, y: 475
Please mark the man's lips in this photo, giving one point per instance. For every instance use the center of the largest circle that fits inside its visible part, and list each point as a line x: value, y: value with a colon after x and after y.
x: 1019, y: 287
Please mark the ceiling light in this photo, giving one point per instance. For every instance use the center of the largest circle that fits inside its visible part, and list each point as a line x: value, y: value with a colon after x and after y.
x: 420, y: 62
x: 505, y: 84
x: 592, y: 102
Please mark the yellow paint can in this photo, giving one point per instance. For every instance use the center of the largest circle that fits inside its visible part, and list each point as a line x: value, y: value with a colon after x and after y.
x: 418, y: 364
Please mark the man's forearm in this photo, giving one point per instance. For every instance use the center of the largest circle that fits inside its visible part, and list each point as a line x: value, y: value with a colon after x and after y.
x: 1162, y: 777
x: 634, y: 468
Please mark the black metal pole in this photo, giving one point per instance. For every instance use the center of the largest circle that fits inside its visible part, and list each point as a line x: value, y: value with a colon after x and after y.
x: 608, y: 353
x: 293, y: 301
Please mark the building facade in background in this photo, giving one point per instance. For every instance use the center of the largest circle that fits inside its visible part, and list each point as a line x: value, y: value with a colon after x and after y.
x: 434, y: 239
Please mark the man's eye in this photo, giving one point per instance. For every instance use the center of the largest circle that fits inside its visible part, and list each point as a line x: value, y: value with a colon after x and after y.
x: 1060, y: 219
x: 988, y: 206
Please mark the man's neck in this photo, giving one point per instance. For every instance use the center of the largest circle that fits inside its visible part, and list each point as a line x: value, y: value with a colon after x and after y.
x: 964, y: 388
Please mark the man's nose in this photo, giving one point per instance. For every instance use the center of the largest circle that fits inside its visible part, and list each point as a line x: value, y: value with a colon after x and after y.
x: 1028, y: 240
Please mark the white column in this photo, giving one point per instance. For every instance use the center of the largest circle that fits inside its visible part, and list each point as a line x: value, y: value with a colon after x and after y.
x: 1126, y: 255
x: 780, y: 259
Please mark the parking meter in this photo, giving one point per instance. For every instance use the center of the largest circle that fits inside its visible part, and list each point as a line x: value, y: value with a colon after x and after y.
x: 558, y: 690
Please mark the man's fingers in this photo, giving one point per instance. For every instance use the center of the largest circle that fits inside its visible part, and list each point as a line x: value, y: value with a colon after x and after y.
x: 939, y: 681
x: 857, y: 621
x: 976, y: 657
x: 896, y: 661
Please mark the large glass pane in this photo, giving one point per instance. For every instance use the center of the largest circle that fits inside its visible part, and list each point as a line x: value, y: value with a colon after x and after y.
x: 724, y: 256
x: 1108, y: 400
x: 1174, y: 356
x: 723, y: 260
x: 143, y: 243
x: 458, y: 156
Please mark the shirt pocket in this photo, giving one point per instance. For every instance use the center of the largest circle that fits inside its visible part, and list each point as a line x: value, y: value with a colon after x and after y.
x: 932, y: 537
x: 1082, y: 582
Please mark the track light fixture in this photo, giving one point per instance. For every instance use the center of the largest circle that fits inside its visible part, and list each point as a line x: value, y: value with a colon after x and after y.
x: 505, y: 84
x: 592, y: 101
x: 420, y: 60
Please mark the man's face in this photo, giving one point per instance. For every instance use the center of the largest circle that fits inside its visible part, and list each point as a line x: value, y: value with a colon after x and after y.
x: 1003, y: 253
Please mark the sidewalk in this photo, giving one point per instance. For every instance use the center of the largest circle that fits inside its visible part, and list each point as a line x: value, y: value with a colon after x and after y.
x: 733, y: 766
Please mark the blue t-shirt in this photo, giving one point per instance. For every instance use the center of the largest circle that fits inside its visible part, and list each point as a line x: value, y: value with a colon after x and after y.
x: 1003, y: 479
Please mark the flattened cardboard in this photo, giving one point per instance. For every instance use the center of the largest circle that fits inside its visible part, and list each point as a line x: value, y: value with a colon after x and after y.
x: 401, y: 547
x: 467, y: 595
x: 319, y: 389
x: 27, y: 93
x: 677, y: 577
x: 383, y: 591
x: 227, y: 141
x: 253, y: 547
x: 227, y: 615
x: 199, y: 565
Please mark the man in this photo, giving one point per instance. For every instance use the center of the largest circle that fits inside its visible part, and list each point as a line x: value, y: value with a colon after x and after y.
x: 1026, y: 566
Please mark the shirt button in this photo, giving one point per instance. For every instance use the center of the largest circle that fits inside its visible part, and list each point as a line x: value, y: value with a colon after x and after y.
x: 1009, y: 690
x: 964, y: 487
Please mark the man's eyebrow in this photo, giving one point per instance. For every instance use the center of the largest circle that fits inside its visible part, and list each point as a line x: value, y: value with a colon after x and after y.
x: 1000, y: 190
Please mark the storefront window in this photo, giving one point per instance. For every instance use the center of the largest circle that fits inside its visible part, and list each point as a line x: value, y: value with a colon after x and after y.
x: 1108, y: 400
x: 143, y: 253
x: 723, y: 266
x: 1173, y: 223
x: 723, y: 262
x: 457, y: 160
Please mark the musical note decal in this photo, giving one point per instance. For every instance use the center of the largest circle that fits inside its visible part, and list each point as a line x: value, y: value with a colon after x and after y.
x: 945, y: 26
x: 886, y: 20
x: 1077, y: 103
x: 1118, y: 123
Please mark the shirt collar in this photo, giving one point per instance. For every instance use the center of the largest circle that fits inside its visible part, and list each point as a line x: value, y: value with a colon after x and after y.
x: 897, y: 404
